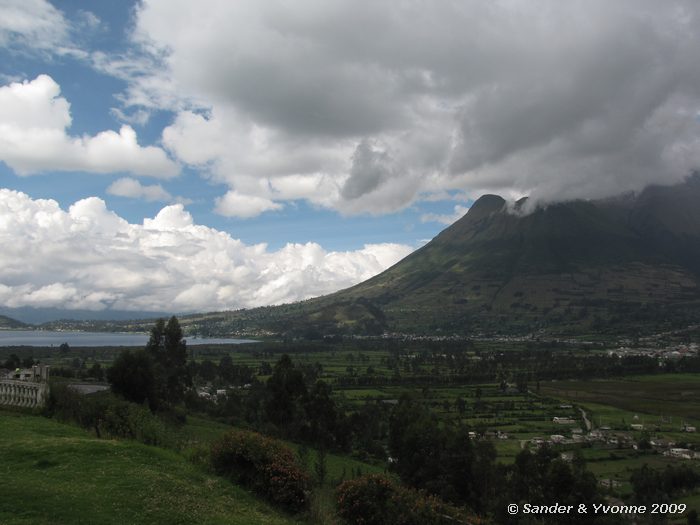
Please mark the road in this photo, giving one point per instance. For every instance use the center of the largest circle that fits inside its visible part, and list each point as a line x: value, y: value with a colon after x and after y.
x: 585, y: 420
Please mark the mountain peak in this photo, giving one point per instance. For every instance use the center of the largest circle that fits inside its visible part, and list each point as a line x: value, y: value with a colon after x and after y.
x: 486, y: 205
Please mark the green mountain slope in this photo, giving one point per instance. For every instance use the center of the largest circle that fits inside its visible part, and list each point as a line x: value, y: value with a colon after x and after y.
x: 625, y: 264
x: 58, y: 474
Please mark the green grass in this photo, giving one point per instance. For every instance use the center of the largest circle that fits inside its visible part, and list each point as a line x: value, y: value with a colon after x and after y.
x: 199, y: 430
x: 51, y: 473
x: 340, y: 468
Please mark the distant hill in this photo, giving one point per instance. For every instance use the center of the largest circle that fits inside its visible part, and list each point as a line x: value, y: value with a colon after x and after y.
x: 32, y: 315
x: 628, y: 264
x: 7, y: 323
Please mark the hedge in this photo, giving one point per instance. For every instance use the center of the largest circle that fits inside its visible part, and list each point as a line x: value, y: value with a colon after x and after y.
x: 265, y: 465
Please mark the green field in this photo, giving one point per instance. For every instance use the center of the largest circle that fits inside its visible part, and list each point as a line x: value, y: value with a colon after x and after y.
x: 675, y: 395
x: 662, y: 403
x: 51, y: 473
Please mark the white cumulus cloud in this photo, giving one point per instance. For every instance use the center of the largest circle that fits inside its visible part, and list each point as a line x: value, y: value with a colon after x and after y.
x: 234, y: 204
x: 90, y: 258
x: 128, y: 187
x: 34, y: 119
x: 32, y: 23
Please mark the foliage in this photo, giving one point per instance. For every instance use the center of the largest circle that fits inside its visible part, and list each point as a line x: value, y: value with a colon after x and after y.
x: 322, y: 419
x: 12, y: 362
x: 107, y: 415
x: 292, y: 403
x: 168, y: 351
x: 376, y: 500
x: 132, y: 377
x: 440, y: 458
x: 157, y: 375
x: 542, y: 477
x: 288, y: 390
x: 265, y: 465
x: 649, y: 484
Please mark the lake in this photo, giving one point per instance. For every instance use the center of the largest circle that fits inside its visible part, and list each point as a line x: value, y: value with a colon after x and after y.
x: 50, y: 338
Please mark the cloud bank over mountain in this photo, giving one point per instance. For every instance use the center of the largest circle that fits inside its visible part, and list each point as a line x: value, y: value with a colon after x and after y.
x: 370, y: 107
x: 90, y: 258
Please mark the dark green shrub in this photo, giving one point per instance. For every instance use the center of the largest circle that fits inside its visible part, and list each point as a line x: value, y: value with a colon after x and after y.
x: 123, y: 419
x: 376, y: 500
x: 265, y: 465
x: 366, y: 500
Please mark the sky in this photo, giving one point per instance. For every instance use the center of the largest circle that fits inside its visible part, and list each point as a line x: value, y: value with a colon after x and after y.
x: 185, y: 156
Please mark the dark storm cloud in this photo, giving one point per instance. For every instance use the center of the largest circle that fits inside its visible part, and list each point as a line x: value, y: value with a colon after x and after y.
x: 558, y: 99
x: 369, y: 170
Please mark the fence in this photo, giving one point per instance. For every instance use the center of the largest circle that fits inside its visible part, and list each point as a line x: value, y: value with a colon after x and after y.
x: 26, y: 388
x: 23, y: 393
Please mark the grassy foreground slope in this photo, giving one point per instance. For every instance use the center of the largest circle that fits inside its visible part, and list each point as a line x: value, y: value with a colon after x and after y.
x: 51, y: 473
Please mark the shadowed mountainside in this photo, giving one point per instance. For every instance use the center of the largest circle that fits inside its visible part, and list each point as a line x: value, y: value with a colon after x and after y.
x: 579, y: 265
x: 628, y: 264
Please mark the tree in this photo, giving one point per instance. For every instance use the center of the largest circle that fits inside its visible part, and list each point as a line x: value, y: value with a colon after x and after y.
x: 168, y: 350
x: 647, y: 485
x: 96, y: 372
x: 542, y: 477
x: 320, y: 467
x: 12, y: 362
x: 156, y: 342
x: 226, y: 370
x: 461, y: 406
x: 321, y: 415
x: 157, y: 374
x: 287, y: 389
x: 131, y: 376
x: 415, y: 443
x: 207, y: 370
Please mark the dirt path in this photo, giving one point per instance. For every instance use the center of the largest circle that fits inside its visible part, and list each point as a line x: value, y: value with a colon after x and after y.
x: 585, y: 420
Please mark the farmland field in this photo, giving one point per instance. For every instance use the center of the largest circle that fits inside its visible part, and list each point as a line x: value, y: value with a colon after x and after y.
x: 664, y: 401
